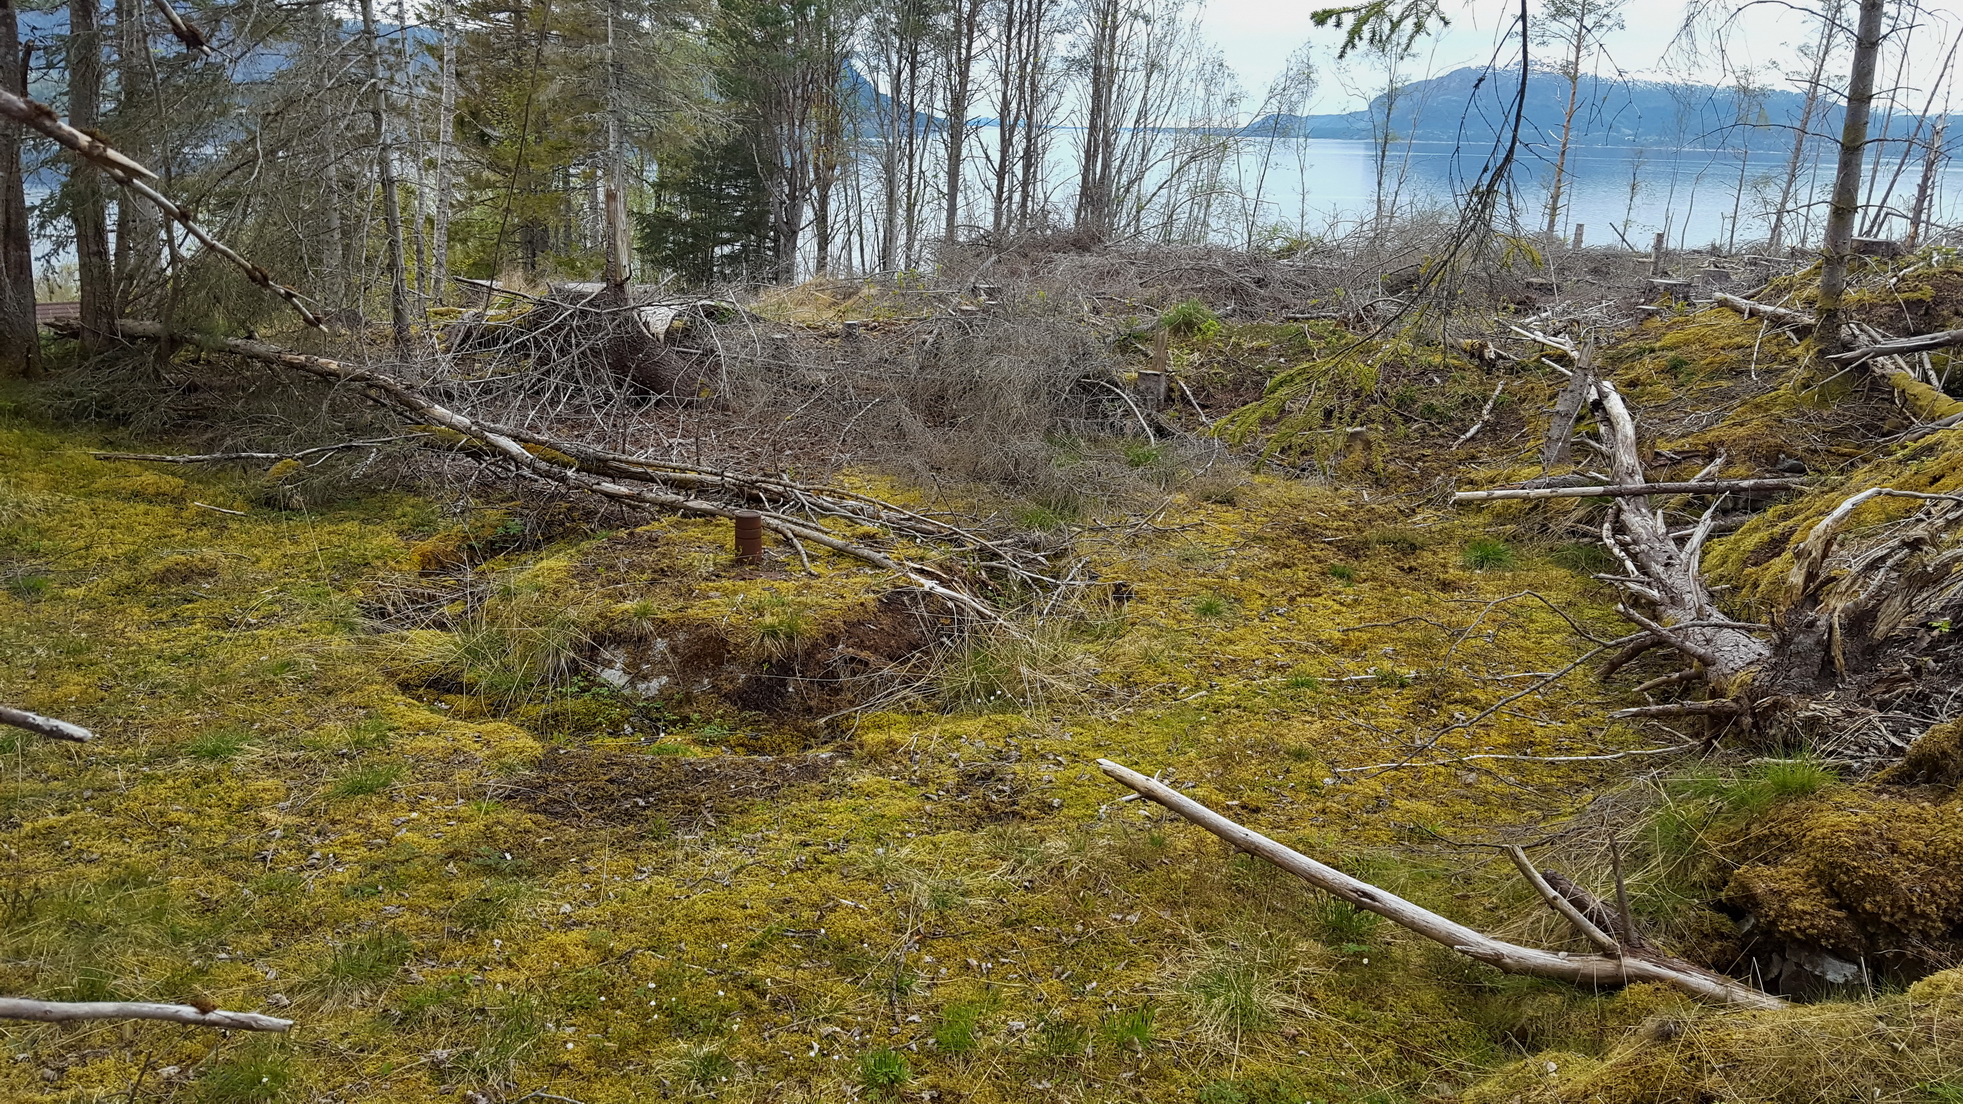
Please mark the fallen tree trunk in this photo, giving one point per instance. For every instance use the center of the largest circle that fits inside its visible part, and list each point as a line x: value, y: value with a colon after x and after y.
x: 1921, y: 344
x: 1703, y: 486
x: 44, y: 726
x: 561, y: 462
x: 22, y: 1008
x: 1582, y: 969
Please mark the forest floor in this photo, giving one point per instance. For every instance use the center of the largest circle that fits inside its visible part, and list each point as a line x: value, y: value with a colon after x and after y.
x: 412, y: 773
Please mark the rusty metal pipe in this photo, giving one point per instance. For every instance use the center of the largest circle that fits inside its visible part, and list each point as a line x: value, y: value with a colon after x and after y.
x: 749, y: 537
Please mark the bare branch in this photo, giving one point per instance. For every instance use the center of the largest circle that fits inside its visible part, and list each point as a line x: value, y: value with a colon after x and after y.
x: 1509, y: 957
x: 44, y: 726
x: 22, y: 1008
x: 133, y: 176
x: 1707, y: 486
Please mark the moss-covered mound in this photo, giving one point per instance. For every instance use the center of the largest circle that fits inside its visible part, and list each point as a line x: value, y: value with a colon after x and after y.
x: 1905, y: 1046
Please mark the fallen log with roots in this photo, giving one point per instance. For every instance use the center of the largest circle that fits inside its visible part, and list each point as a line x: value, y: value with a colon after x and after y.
x: 654, y: 483
x: 40, y: 1011
x: 1622, y: 960
x: 1791, y: 680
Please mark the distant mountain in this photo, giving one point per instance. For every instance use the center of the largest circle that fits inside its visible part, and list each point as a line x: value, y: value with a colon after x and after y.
x: 1472, y: 106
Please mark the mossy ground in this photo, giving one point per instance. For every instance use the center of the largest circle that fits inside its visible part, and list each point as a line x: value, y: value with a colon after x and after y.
x: 277, y: 816
x: 399, y: 830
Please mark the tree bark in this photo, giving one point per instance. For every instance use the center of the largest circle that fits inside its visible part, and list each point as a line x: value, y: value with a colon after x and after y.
x: 94, y: 270
x: 446, y: 121
x: 1847, y: 177
x: 20, y: 340
x: 1512, y: 958
x: 385, y: 168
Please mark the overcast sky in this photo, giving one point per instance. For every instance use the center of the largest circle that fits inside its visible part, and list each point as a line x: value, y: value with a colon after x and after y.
x: 1258, y: 36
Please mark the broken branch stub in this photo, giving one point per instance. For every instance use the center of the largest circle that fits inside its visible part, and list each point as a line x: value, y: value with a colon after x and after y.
x: 1512, y: 958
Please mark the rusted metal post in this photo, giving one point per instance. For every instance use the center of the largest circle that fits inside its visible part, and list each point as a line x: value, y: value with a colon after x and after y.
x: 749, y: 537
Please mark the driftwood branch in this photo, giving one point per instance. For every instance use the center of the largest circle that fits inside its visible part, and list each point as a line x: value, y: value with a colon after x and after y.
x: 132, y: 175
x: 1590, y: 969
x: 22, y: 1008
x: 44, y: 726
x: 1702, y: 486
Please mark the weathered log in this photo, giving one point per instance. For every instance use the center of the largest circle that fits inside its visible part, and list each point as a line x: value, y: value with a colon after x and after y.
x: 44, y: 726
x: 1752, y: 309
x: 22, y: 1008
x: 1512, y: 958
x: 1702, y: 486
x: 1920, y: 344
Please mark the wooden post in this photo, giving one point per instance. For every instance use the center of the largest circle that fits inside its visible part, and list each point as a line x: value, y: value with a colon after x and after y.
x: 1578, y: 228
x: 1656, y: 255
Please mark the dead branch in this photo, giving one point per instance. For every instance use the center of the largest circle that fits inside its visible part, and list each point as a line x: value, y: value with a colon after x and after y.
x: 1523, y: 758
x: 558, y: 461
x: 44, y: 726
x: 1485, y: 412
x: 1598, y: 912
x: 133, y: 176
x: 1900, y: 345
x: 1751, y: 309
x: 1702, y: 486
x: 1560, y: 903
x: 230, y: 457
x: 192, y: 38
x: 22, y: 1008
x: 1589, y: 969
x: 1810, y: 558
